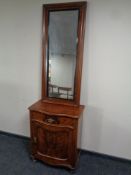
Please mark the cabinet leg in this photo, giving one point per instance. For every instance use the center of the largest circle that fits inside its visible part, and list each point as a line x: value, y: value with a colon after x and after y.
x: 33, y: 158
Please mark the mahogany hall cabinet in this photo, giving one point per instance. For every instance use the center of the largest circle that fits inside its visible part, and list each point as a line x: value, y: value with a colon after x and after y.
x: 56, y: 119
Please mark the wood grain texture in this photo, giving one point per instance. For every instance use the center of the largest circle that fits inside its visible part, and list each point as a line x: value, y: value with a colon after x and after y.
x: 81, y: 6
x: 54, y: 133
x: 55, y: 124
x: 57, y: 109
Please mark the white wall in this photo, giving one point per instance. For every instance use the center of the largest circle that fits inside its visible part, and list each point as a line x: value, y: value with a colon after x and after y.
x: 106, y: 83
x: 20, y: 59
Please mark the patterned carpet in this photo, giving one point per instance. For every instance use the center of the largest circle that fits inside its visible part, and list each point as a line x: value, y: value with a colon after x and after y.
x: 15, y: 160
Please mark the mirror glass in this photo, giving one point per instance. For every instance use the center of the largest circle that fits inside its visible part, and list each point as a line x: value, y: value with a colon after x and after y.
x: 61, y: 53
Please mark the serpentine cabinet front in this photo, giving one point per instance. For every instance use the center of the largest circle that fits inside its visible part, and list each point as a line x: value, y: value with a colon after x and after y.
x: 55, y: 133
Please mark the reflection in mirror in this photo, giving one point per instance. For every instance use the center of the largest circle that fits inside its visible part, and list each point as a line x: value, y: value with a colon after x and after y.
x: 62, y: 50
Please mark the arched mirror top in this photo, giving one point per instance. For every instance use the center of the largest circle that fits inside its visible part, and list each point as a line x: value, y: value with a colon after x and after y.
x: 63, y: 41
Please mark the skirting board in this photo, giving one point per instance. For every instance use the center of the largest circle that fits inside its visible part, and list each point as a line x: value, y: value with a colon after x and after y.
x: 82, y: 150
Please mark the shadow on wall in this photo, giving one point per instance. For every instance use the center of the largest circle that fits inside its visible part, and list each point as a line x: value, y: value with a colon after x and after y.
x: 104, y: 134
x: 116, y: 138
x: 92, y: 127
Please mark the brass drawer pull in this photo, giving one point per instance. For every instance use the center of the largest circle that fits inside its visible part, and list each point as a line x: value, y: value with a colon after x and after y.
x: 51, y: 120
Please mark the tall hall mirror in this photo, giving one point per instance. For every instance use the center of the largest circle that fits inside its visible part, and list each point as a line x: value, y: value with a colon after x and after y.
x: 62, y: 46
x: 63, y: 28
x: 56, y: 119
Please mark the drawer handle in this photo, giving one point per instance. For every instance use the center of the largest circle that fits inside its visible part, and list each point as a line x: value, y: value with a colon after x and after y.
x: 52, y: 120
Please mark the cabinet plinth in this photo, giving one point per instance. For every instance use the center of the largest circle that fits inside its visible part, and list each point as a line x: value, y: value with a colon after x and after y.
x: 55, y: 133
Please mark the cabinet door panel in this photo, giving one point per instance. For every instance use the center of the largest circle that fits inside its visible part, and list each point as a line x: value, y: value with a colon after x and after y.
x: 53, y: 141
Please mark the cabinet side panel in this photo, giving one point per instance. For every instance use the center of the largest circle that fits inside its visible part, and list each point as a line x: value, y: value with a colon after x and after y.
x: 79, y: 132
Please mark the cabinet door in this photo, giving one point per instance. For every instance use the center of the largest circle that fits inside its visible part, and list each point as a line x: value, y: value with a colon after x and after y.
x: 53, y: 143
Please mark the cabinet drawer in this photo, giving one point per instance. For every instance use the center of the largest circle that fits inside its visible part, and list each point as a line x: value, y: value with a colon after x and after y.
x: 53, y: 119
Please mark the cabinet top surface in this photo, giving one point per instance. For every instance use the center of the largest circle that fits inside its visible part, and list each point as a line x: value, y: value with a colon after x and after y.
x: 57, y: 109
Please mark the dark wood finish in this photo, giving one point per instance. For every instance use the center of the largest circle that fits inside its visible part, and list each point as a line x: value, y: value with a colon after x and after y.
x: 57, y: 109
x: 79, y: 58
x: 55, y: 124
x: 55, y: 133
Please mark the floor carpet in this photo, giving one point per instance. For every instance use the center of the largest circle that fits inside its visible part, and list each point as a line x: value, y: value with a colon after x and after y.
x: 15, y: 160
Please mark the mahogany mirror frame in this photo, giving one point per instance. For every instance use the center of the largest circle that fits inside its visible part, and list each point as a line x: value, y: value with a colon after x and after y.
x: 81, y: 6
